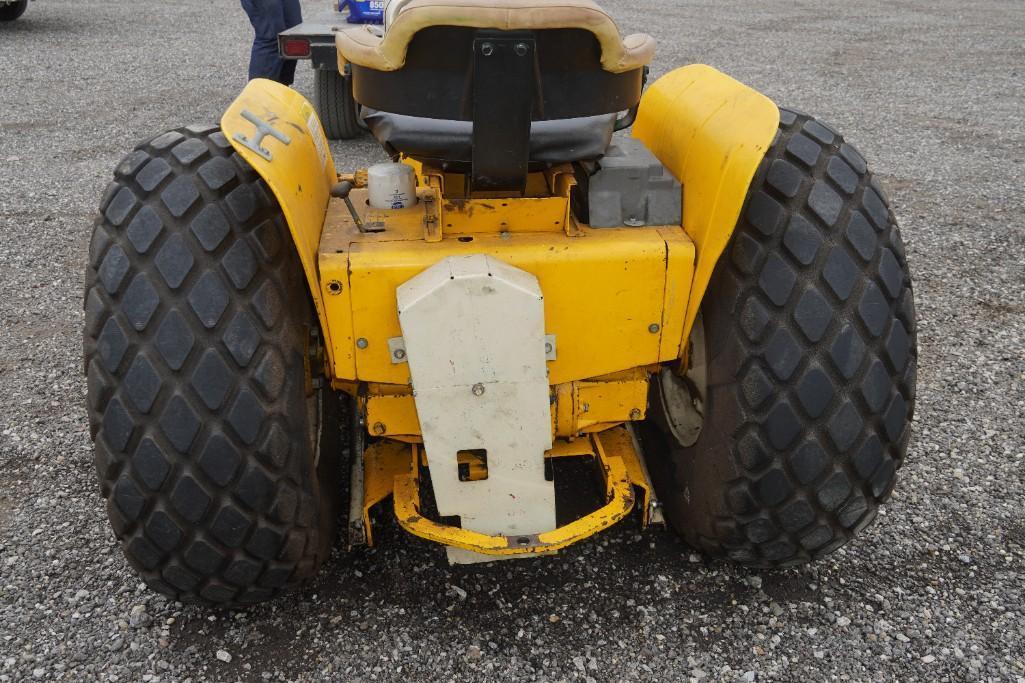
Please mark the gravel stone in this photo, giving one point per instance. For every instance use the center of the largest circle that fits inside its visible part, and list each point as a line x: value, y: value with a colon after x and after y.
x: 930, y: 93
x: 138, y: 617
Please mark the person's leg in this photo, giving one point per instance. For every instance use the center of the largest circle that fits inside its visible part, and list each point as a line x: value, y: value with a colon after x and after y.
x: 254, y: 54
x: 292, y: 15
x: 268, y: 19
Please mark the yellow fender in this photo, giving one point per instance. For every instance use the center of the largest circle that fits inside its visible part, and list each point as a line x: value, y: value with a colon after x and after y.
x: 711, y: 132
x: 300, y: 172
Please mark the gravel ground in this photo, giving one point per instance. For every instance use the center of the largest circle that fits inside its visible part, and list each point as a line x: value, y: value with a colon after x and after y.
x: 931, y: 92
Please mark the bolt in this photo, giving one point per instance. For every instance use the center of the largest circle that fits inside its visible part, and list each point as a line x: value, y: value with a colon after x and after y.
x: 478, y: 389
x: 399, y: 354
x: 654, y: 328
x: 487, y: 49
x: 379, y: 428
x: 362, y: 343
x: 521, y: 49
x: 635, y: 414
x: 334, y: 287
x: 548, y: 347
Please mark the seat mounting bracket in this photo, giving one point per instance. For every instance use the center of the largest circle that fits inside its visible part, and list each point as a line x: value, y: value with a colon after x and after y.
x: 504, y: 85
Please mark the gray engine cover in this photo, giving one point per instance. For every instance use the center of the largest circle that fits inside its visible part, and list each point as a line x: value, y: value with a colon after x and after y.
x: 632, y: 188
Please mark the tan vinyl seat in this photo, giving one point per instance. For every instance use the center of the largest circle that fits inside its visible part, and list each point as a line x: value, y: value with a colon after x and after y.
x: 364, y: 46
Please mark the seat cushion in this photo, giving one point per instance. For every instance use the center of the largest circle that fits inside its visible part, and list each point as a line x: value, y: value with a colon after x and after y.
x: 449, y: 143
x: 367, y: 47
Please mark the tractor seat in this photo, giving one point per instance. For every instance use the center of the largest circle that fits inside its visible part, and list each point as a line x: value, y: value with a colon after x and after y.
x: 495, y: 88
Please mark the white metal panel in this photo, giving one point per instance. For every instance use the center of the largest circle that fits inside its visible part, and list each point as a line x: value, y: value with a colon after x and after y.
x: 473, y: 329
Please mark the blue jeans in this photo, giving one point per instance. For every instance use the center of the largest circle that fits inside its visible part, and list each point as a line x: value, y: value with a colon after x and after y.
x: 269, y: 18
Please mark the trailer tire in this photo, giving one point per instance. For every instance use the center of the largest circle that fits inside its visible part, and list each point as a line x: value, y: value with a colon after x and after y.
x: 206, y: 423
x: 13, y: 11
x: 336, y: 107
x: 810, y: 364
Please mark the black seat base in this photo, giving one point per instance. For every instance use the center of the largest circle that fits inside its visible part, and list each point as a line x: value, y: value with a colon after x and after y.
x: 501, y: 103
x: 448, y: 144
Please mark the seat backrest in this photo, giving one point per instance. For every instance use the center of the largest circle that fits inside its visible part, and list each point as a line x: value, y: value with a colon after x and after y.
x: 501, y: 64
x: 365, y: 46
x: 559, y: 72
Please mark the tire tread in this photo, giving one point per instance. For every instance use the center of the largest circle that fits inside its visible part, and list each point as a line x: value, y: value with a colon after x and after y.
x: 812, y: 374
x: 173, y: 296
x: 335, y: 105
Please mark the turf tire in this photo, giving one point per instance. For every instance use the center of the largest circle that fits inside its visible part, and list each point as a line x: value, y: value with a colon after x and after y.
x: 197, y: 325
x: 811, y: 360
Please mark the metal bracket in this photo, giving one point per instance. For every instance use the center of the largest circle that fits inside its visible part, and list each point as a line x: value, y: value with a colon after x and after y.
x: 263, y: 129
x: 431, y: 199
x: 638, y: 468
x: 358, y: 533
x: 374, y: 221
x: 561, y: 182
x: 550, y: 347
x: 504, y: 87
x: 432, y: 219
x: 397, y: 350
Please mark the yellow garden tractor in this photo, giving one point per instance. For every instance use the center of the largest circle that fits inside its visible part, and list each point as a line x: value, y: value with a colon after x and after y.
x: 518, y: 330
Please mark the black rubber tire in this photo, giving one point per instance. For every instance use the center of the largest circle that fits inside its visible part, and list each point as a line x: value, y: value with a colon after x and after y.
x: 811, y: 352
x: 336, y: 108
x: 13, y: 11
x: 197, y: 322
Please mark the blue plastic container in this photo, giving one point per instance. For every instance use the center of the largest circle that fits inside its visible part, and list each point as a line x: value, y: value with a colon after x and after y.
x: 363, y: 11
